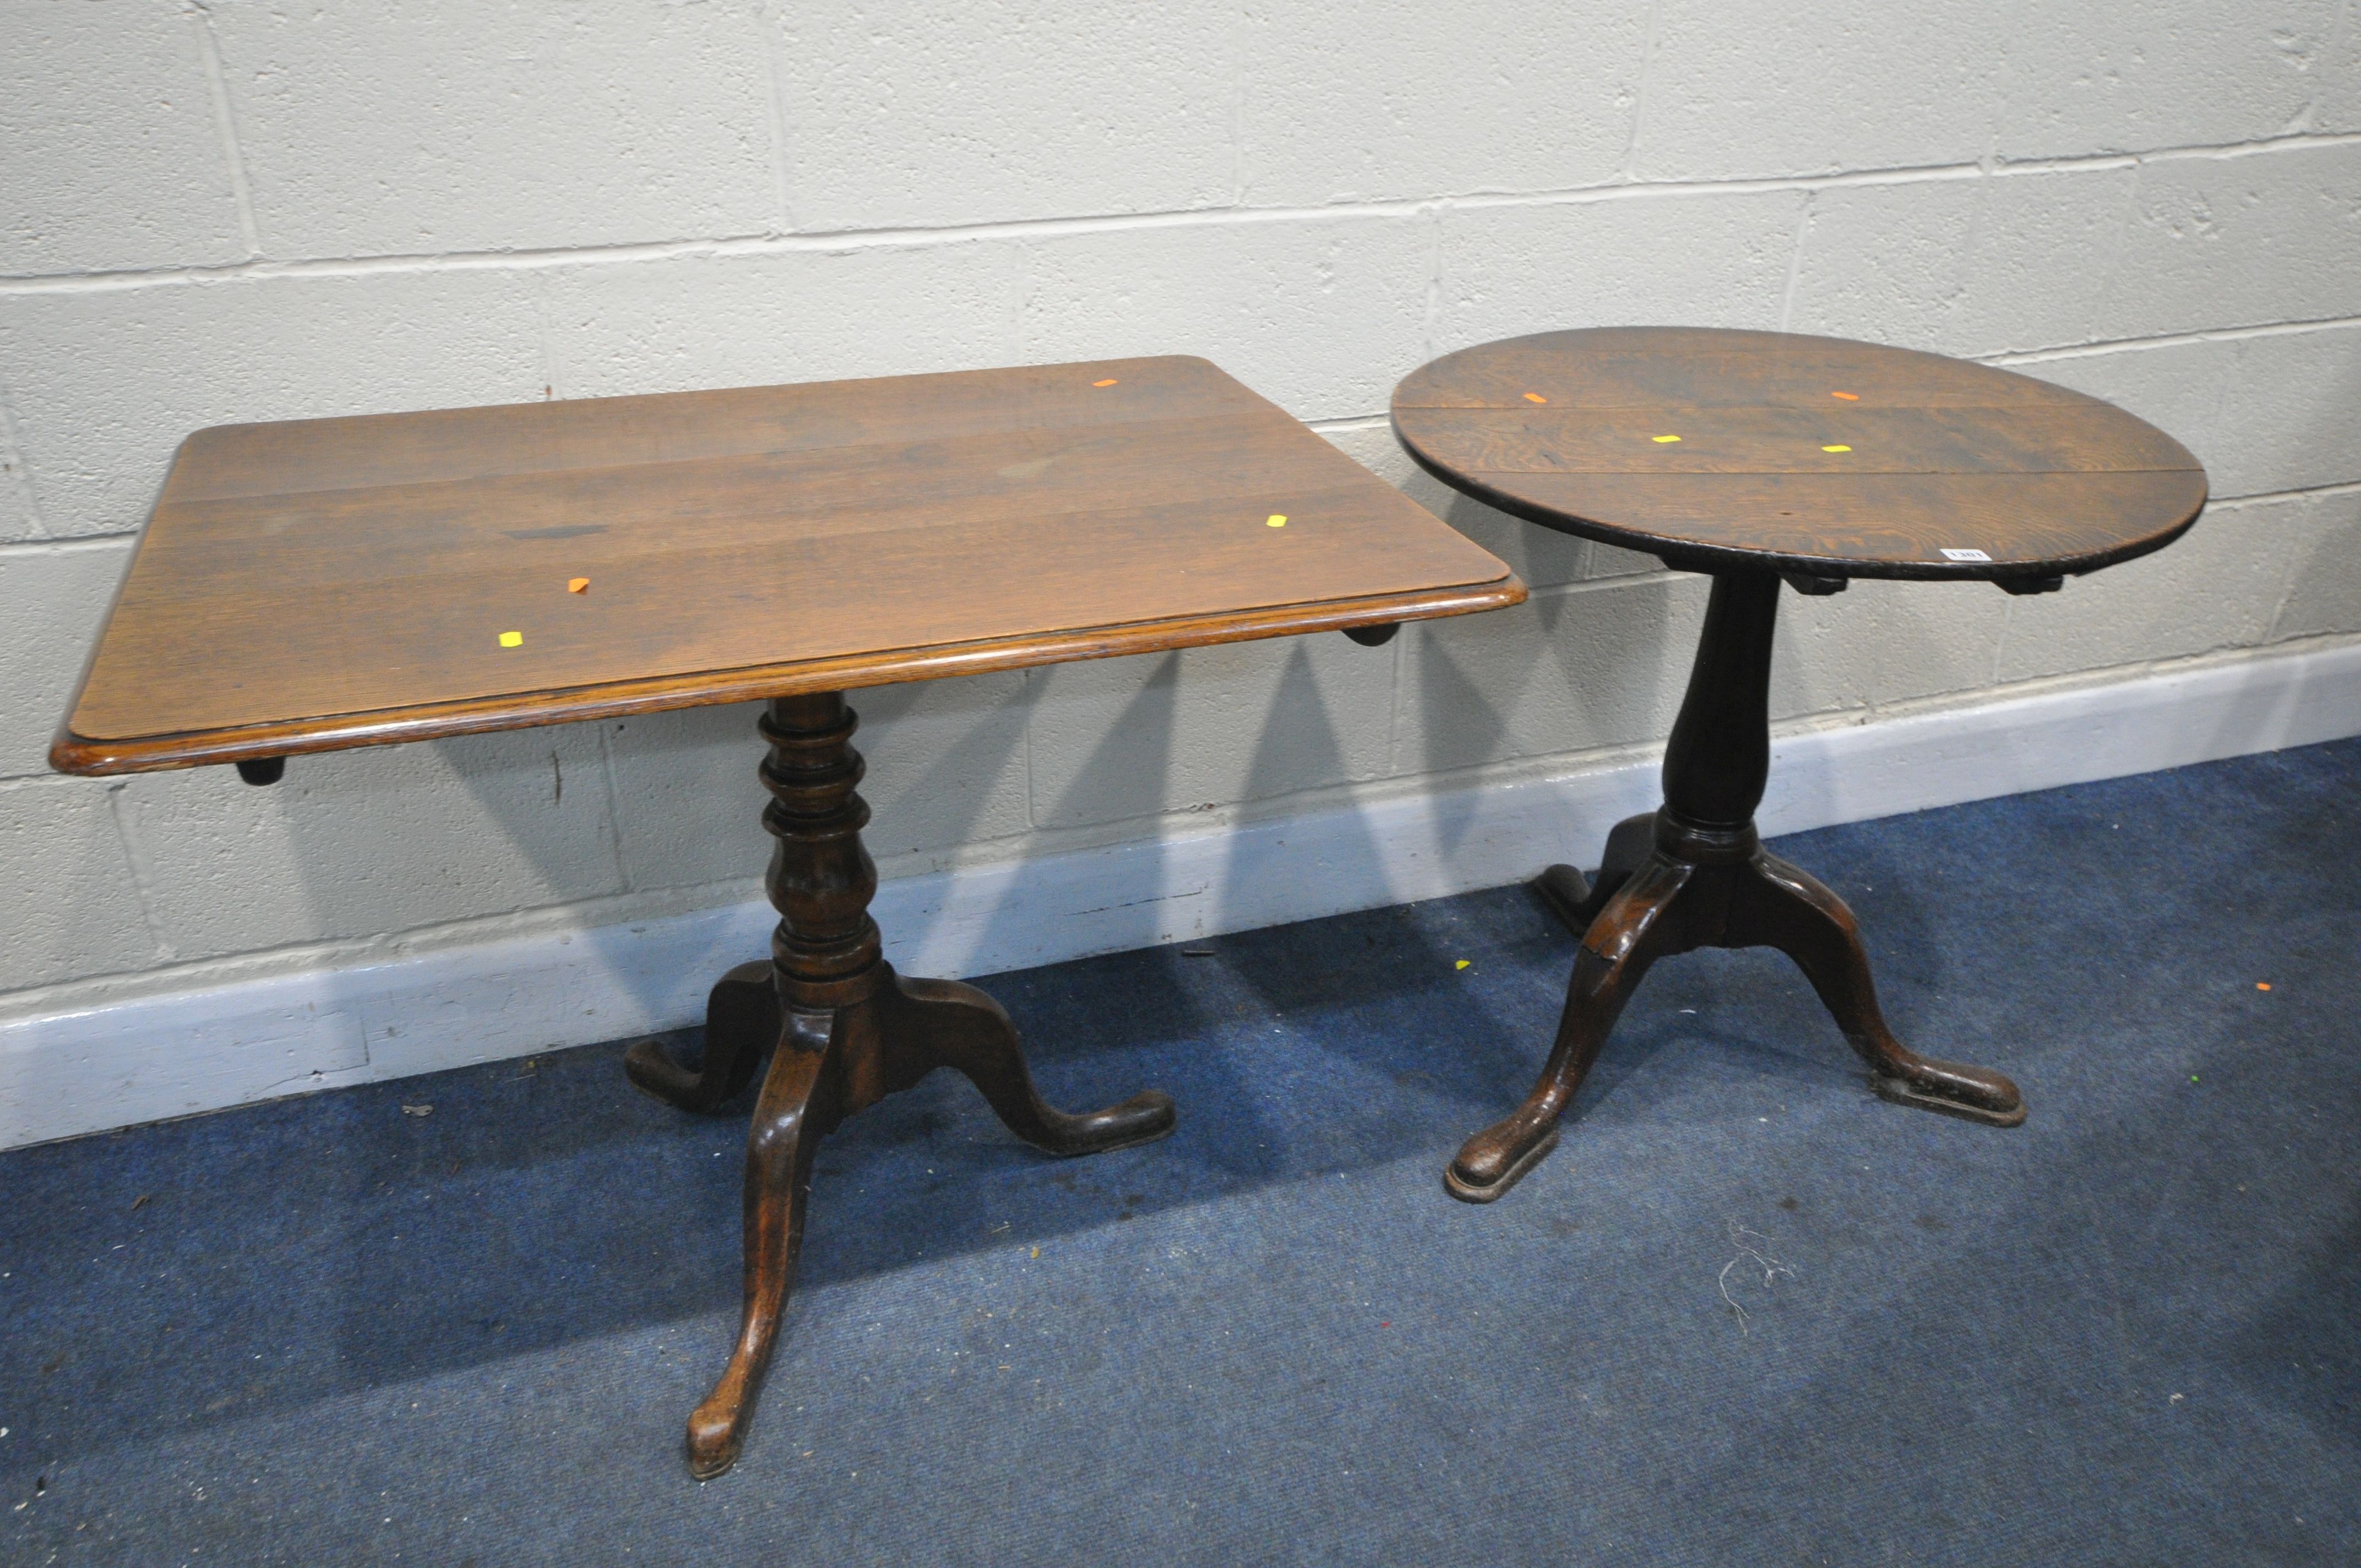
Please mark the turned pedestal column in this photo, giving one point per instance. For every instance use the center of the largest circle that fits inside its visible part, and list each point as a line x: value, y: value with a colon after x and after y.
x: 844, y: 1031
x: 1694, y: 874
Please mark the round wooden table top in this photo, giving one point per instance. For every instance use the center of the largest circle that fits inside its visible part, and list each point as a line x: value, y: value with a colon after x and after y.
x: 1718, y: 449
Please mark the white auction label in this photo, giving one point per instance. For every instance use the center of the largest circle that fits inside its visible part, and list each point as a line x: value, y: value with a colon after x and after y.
x: 1965, y: 555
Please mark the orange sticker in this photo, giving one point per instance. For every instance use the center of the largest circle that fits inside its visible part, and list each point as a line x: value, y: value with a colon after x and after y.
x: 1849, y: 397
x: 1108, y: 382
x: 2262, y: 985
x: 1536, y: 397
x: 576, y: 584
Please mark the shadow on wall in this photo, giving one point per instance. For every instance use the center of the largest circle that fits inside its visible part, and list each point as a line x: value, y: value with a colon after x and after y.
x: 305, y: 1248
x: 292, y: 1252
x: 478, y: 1198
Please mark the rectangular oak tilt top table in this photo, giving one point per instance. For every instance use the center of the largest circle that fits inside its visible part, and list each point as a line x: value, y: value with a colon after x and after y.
x: 321, y: 583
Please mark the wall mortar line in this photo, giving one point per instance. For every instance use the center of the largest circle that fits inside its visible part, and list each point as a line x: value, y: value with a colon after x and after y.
x: 142, y: 867
x: 201, y: 16
x: 1796, y: 265
x: 70, y: 545
x: 12, y: 443
x: 839, y: 240
x: 2169, y: 340
x: 770, y: 18
x: 613, y: 790
x: 1640, y: 90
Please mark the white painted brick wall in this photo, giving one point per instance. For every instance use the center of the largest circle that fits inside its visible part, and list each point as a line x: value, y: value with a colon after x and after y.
x: 1840, y: 85
x: 110, y: 141
x: 429, y: 126
x: 52, y: 598
x: 356, y: 844
x: 741, y: 320
x: 1701, y: 259
x: 932, y: 112
x: 1407, y: 100
x: 1213, y: 727
x: 242, y: 210
x: 104, y: 383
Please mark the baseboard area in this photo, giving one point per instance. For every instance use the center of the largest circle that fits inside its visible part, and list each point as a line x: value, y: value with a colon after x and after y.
x: 175, y: 1052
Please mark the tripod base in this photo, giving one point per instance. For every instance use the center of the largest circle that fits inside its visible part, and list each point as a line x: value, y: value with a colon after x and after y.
x: 844, y: 1031
x: 828, y: 1063
x: 1694, y: 888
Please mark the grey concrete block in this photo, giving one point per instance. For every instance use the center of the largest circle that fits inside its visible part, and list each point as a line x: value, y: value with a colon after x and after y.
x: 688, y: 806
x: 1691, y: 259
x: 946, y: 768
x: 105, y: 385
x: 1321, y: 315
x: 948, y: 762
x: 1118, y: 739
x: 1568, y: 671
x: 2336, y: 100
x: 949, y: 112
x: 750, y: 321
x: 2240, y: 241
x: 2291, y: 417
x: 2217, y: 587
x: 377, y: 840
x: 1539, y: 557
x: 1970, y: 267
x: 1403, y: 98
x: 2268, y: 412
x: 69, y: 906
x: 20, y: 517
x: 2319, y: 536
x: 108, y: 140
x: 2096, y: 79
x: 55, y: 599
x: 433, y: 126
x: 1741, y: 91
x: 1880, y: 642
x: 2179, y: 388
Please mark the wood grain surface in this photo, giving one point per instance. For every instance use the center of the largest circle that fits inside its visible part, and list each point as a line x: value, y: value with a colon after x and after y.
x: 326, y: 583
x: 1719, y: 448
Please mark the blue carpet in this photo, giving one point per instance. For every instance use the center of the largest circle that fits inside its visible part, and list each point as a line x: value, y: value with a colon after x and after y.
x: 1745, y: 1314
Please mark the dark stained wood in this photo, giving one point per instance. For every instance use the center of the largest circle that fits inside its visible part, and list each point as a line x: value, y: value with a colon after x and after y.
x: 1811, y: 459
x: 845, y: 1031
x: 333, y: 583
x: 329, y: 582
x: 1564, y: 429
x: 1694, y: 874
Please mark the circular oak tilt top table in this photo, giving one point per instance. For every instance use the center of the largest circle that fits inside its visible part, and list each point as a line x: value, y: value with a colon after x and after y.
x: 321, y: 583
x: 1755, y: 457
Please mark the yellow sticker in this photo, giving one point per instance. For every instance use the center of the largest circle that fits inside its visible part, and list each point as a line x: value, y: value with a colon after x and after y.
x: 1461, y: 964
x: 1276, y: 520
x: 1836, y: 448
x: 576, y: 584
x: 1849, y: 397
x: 511, y: 638
x: 1660, y: 440
x: 1108, y: 382
x: 1536, y: 397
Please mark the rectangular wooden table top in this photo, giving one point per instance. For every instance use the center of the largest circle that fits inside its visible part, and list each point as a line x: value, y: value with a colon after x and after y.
x: 319, y: 583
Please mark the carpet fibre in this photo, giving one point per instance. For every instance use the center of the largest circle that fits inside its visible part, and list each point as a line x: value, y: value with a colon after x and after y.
x: 1746, y: 1314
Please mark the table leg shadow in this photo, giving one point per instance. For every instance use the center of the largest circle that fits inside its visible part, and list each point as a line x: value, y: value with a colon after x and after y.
x: 844, y: 1031
x: 1694, y: 874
